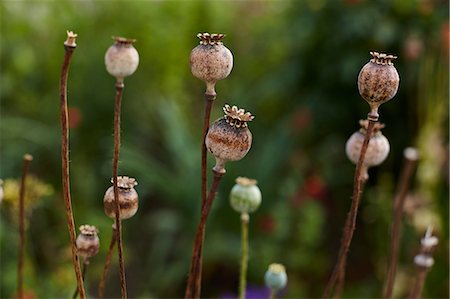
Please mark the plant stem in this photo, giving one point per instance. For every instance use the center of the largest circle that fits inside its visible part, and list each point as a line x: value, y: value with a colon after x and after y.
x: 117, y: 108
x: 408, y: 170
x: 83, y: 274
x: 193, y: 288
x: 350, y: 224
x: 101, y: 286
x: 273, y: 294
x: 69, y: 49
x: 26, y: 163
x: 244, y: 255
x: 416, y: 292
x: 209, y: 99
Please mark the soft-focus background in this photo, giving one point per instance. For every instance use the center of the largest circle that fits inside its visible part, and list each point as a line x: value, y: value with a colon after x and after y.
x: 296, y: 65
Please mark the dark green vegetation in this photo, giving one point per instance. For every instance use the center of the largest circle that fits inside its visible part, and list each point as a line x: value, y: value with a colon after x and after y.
x: 295, y: 68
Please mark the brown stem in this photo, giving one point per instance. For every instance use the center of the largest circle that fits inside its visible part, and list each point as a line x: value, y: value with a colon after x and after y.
x: 117, y: 108
x: 359, y: 179
x: 209, y: 99
x: 83, y: 274
x: 101, y: 286
x: 416, y: 292
x: 408, y: 170
x: 69, y: 49
x: 193, y: 288
x: 26, y: 163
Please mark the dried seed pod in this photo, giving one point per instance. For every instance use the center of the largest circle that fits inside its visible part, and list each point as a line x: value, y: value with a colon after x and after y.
x: 121, y: 59
x: 276, y: 277
x: 88, y: 242
x: 211, y: 61
x: 245, y: 196
x: 378, y: 81
x: 128, y: 198
x: 377, y: 150
x: 229, y: 138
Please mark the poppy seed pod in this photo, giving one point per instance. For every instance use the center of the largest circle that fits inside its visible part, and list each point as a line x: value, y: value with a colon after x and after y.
x: 275, y: 277
x: 211, y: 61
x: 377, y: 150
x: 121, y: 59
x: 378, y: 81
x: 128, y: 198
x: 229, y: 138
x: 88, y: 242
x: 245, y: 196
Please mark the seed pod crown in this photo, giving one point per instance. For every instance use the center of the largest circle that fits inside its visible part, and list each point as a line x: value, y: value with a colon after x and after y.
x: 125, y: 182
x: 88, y: 230
x: 382, y: 58
x: 210, y: 39
x: 237, y: 117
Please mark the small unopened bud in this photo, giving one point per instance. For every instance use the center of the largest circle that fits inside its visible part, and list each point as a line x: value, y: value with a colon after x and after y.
x: 276, y: 277
x: 424, y: 260
x: 128, y: 198
x: 245, y: 196
x: 229, y: 138
x: 88, y: 242
x: 122, y: 58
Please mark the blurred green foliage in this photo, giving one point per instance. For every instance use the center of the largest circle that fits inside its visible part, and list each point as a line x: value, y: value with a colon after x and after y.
x: 296, y: 64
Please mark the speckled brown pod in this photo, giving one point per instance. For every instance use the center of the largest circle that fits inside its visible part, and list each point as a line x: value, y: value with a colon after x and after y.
x: 378, y: 81
x: 88, y: 242
x: 229, y: 138
x: 128, y: 198
x: 377, y: 150
x: 211, y: 61
x: 122, y: 58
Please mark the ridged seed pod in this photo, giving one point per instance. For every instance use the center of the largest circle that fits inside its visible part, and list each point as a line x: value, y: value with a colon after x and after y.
x: 122, y: 58
x: 245, y: 196
x: 128, y: 198
x: 88, y: 242
x: 378, y: 81
x: 211, y: 61
x: 276, y: 277
x: 377, y: 150
x: 229, y: 138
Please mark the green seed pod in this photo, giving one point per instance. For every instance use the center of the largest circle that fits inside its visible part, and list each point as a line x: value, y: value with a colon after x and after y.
x: 128, y: 198
x: 229, y: 138
x: 122, y: 58
x: 276, y: 277
x: 87, y: 241
x: 378, y: 81
x: 211, y: 61
x: 245, y: 196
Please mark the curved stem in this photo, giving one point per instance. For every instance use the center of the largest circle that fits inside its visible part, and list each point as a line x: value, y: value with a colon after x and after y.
x: 101, y: 286
x: 193, y: 288
x: 117, y: 108
x: 26, y: 163
x: 244, y: 255
x: 350, y: 224
x: 83, y: 274
x: 209, y: 99
x: 399, y: 201
x: 69, y: 49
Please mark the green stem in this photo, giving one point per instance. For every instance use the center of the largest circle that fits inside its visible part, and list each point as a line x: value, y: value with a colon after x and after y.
x: 244, y: 255
x: 273, y: 294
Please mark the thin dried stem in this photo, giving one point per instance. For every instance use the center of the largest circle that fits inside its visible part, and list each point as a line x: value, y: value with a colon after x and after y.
x: 408, y: 170
x: 112, y: 244
x: 83, y: 274
x: 244, y: 255
x: 26, y: 163
x: 209, y: 99
x: 421, y: 275
x: 69, y: 47
x: 193, y: 288
x: 358, y: 184
x: 117, y: 109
